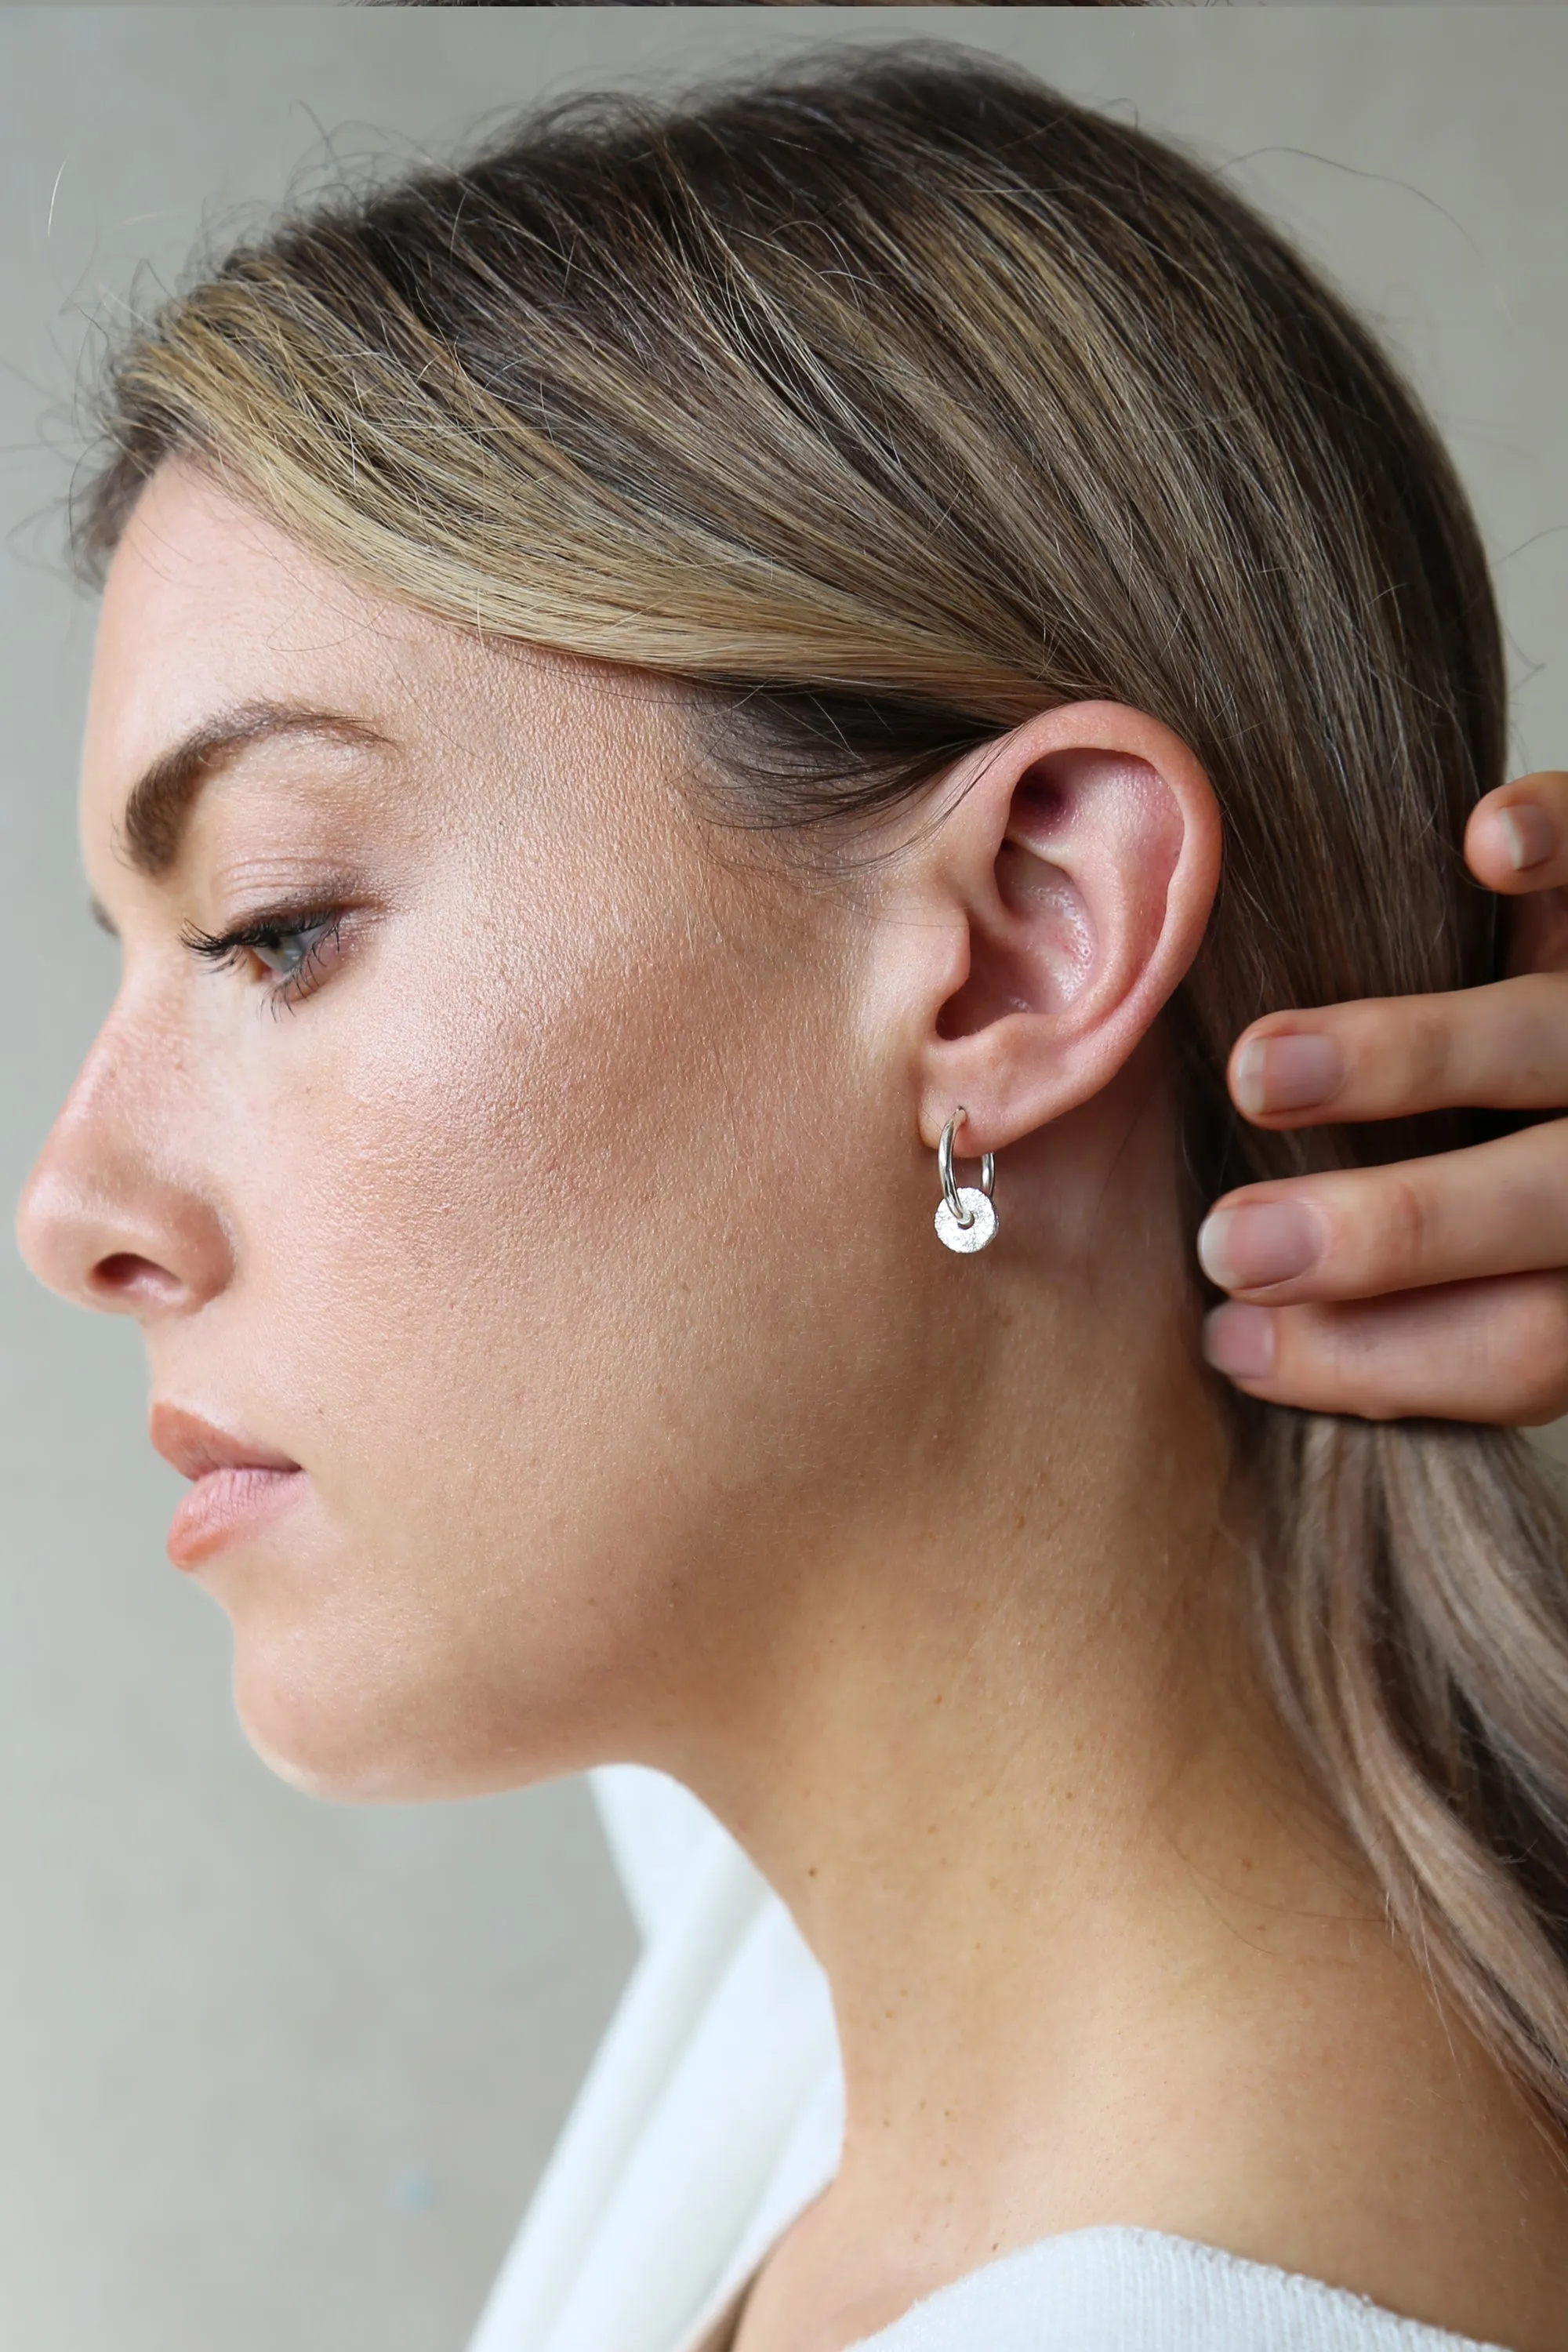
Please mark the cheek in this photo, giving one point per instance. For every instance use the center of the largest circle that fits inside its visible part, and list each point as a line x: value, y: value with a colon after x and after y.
x: 554, y: 1288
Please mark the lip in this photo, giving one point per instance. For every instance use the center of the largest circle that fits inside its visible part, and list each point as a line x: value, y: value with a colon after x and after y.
x: 237, y: 1484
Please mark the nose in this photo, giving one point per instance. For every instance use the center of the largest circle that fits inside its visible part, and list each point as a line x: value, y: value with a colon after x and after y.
x: 106, y: 1219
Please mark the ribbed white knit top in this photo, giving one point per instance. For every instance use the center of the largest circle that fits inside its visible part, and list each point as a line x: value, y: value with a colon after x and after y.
x: 1137, y: 2291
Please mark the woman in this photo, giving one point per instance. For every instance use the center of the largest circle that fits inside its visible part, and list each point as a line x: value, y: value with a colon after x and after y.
x: 769, y: 688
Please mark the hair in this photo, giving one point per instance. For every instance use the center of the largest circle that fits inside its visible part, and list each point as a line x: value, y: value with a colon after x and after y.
x: 884, y: 402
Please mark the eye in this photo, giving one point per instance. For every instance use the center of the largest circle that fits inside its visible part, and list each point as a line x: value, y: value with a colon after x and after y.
x: 294, y: 945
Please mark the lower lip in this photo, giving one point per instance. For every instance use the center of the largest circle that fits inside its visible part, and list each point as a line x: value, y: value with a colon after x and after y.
x: 227, y: 1503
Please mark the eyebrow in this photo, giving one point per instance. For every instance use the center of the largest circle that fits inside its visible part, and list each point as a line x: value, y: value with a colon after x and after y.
x: 159, y: 804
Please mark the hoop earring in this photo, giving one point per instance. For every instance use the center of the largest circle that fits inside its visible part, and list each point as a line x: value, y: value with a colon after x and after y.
x: 965, y: 1219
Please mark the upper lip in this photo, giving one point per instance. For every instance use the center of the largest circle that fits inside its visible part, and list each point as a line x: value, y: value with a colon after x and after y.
x: 195, y: 1446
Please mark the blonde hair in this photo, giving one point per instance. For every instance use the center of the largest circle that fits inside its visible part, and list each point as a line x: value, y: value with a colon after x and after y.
x: 887, y: 401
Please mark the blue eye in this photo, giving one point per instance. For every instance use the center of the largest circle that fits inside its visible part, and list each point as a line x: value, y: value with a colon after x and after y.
x: 293, y: 943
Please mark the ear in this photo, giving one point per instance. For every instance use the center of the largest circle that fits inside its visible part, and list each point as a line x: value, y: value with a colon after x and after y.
x: 1061, y: 899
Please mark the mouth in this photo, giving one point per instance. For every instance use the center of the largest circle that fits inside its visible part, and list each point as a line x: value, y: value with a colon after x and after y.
x: 237, y: 1485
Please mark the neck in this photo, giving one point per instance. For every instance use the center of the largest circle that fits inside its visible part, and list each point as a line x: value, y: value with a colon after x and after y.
x: 1098, y: 1951
x: 1017, y: 1703
x: 1019, y: 1781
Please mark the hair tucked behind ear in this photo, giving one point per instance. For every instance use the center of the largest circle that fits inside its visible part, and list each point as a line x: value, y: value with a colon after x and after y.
x: 889, y: 402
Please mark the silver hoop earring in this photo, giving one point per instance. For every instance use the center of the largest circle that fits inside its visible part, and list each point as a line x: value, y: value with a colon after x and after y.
x: 965, y: 1219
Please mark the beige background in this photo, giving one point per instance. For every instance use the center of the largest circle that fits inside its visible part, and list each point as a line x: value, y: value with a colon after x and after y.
x: 274, y: 2074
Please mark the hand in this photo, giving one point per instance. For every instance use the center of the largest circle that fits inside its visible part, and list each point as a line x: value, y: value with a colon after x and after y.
x: 1432, y: 1286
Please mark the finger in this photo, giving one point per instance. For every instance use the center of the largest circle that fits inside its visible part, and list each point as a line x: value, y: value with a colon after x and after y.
x: 1504, y: 1045
x: 1517, y: 838
x: 1361, y: 1233
x: 1485, y: 1351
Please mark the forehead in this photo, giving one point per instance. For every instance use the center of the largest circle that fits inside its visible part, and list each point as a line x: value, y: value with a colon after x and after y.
x: 208, y: 605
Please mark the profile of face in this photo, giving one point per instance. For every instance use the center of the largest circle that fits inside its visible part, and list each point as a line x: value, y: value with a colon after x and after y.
x: 545, y: 1194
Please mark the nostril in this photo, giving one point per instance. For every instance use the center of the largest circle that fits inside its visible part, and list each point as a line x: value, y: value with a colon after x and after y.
x: 125, y: 1276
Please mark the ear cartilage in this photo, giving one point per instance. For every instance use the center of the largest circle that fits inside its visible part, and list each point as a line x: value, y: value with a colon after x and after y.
x: 965, y: 1218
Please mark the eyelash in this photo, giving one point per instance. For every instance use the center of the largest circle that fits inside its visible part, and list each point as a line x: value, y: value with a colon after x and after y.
x: 272, y: 931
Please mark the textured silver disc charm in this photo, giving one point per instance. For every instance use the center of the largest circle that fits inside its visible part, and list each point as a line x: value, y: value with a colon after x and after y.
x: 982, y: 1223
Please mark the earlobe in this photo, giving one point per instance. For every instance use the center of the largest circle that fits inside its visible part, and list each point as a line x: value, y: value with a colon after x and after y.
x: 1081, y: 857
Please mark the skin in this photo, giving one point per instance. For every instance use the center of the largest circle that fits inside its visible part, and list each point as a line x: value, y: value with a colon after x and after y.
x: 574, y: 1236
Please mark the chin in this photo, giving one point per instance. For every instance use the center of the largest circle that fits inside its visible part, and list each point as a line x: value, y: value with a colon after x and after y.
x: 336, y: 1739
x: 335, y: 1730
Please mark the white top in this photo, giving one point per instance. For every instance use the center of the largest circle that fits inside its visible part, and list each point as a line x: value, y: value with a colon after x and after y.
x: 712, y: 2115
x: 1136, y: 2291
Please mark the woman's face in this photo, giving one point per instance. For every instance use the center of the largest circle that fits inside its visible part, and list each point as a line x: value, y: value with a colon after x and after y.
x: 512, y: 1210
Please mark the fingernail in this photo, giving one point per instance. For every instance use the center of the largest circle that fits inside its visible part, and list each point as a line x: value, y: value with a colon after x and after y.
x: 1529, y: 833
x: 1268, y: 1240
x: 1287, y: 1073
x: 1239, y: 1341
